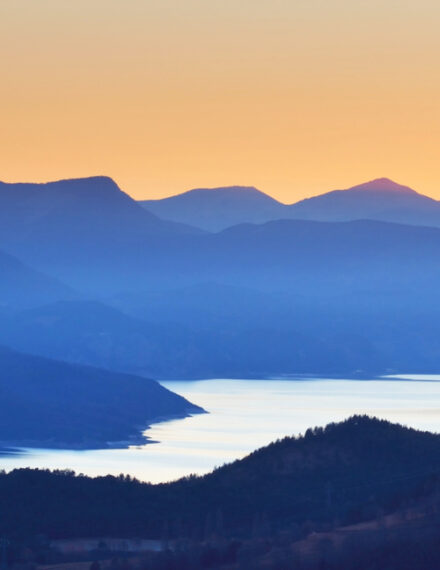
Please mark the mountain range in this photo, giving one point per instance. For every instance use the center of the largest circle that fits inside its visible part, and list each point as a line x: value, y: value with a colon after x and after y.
x: 61, y: 226
x: 215, y: 209
x: 98, y: 295
x: 90, y: 277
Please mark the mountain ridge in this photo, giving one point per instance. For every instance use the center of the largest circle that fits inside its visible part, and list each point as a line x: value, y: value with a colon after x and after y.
x: 22, y: 286
x: 58, y: 227
x: 215, y: 209
x: 294, y: 281
x: 36, y: 200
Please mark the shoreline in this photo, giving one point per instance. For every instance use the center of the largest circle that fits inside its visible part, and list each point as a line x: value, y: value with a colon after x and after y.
x: 14, y: 448
x: 404, y: 377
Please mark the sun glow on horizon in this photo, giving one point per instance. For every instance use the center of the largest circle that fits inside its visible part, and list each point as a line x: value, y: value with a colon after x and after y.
x: 294, y: 98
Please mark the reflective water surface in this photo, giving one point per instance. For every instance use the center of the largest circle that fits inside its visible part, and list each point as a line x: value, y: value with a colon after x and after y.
x: 244, y: 415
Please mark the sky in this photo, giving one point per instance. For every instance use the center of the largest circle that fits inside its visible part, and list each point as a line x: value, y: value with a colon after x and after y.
x: 295, y: 97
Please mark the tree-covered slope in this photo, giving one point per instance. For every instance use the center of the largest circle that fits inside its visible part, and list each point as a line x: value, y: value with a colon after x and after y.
x: 347, y: 472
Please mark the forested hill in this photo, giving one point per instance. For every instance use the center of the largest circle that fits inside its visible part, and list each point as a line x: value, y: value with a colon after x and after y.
x: 346, y: 472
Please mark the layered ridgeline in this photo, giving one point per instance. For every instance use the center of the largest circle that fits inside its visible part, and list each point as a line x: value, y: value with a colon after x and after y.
x: 47, y: 403
x: 23, y: 287
x: 76, y: 229
x: 51, y: 232
x: 283, y: 297
x: 79, y: 208
x: 215, y: 209
x: 90, y: 332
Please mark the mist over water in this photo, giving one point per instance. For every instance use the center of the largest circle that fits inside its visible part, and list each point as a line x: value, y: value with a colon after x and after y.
x: 243, y: 416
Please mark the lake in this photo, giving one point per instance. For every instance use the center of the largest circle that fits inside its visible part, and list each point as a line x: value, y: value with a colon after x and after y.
x: 244, y: 415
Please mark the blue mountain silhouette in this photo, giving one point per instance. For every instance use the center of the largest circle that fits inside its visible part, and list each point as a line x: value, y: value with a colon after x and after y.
x: 219, y: 208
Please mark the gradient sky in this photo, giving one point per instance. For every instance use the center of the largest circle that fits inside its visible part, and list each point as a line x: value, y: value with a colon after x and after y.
x: 295, y: 97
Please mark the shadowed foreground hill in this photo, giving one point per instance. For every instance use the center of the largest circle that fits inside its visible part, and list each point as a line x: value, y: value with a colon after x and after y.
x: 46, y: 403
x: 350, y: 472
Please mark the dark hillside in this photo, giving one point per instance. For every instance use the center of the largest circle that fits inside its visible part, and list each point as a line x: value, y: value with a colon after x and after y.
x: 47, y: 403
x: 348, y: 472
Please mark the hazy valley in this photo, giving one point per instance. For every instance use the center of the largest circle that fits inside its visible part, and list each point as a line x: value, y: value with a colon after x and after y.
x: 108, y: 284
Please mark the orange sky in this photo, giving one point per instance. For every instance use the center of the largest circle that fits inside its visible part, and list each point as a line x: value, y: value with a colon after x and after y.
x: 295, y: 97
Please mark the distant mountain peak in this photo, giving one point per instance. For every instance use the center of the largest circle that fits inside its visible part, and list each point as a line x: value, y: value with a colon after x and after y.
x: 384, y: 181
x: 215, y: 209
x: 383, y: 185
